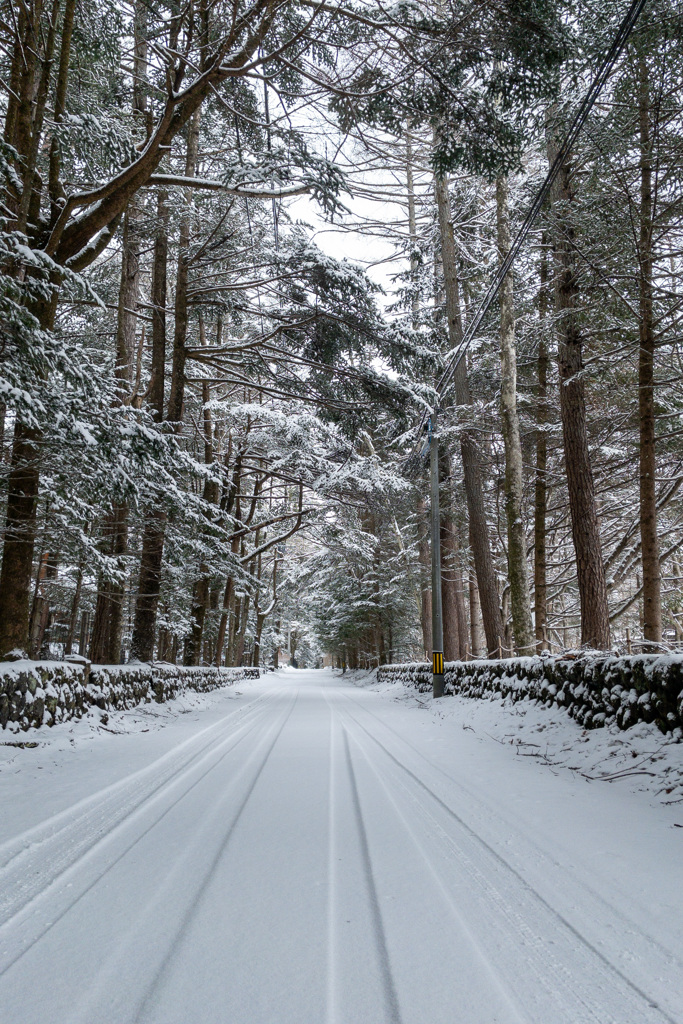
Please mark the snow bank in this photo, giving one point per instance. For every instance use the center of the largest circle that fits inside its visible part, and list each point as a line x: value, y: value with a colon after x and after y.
x: 595, y: 689
x: 35, y: 693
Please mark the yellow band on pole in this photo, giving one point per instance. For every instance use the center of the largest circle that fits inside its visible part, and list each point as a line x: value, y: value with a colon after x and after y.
x: 437, y: 663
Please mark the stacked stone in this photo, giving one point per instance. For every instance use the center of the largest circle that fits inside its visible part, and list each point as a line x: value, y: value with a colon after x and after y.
x: 596, y: 689
x: 35, y: 693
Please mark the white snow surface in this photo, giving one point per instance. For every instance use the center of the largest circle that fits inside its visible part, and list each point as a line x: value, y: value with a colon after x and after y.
x: 315, y: 849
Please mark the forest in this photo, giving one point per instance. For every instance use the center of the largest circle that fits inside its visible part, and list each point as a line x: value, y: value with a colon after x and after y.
x: 242, y: 244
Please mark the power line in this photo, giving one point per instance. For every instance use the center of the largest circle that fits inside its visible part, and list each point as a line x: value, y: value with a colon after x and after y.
x: 605, y: 70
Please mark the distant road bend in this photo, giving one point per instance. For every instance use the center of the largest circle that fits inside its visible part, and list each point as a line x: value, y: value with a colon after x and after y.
x: 311, y: 853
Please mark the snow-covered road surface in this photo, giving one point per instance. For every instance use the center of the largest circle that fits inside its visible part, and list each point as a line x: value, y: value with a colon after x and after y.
x: 307, y: 852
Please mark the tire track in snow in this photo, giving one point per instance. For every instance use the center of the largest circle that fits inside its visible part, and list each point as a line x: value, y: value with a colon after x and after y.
x: 650, y: 949
x: 57, y: 885
x: 575, y: 983
x: 389, y: 793
x: 39, y: 856
x: 67, y: 818
x: 182, y: 928
x: 390, y: 997
x: 332, y: 912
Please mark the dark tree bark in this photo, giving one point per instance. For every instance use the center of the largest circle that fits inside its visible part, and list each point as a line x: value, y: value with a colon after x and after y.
x: 20, y: 532
x: 652, y: 577
x: 201, y: 590
x: 590, y: 570
x: 481, y: 545
x: 425, y: 577
x: 149, y: 583
x: 540, y: 482
x: 518, y: 574
x: 452, y: 590
x: 73, y: 617
x: 158, y: 298
x: 176, y: 396
x: 109, y: 631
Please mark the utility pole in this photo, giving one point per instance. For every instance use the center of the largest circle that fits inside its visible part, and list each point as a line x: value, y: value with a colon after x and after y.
x: 437, y: 613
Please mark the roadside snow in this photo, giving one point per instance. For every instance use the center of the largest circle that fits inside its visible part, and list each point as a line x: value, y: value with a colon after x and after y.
x: 640, y: 759
x: 311, y: 848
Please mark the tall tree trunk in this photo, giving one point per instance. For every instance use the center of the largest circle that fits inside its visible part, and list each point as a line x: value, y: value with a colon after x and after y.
x: 149, y: 584
x: 73, y: 617
x: 117, y: 590
x: 201, y: 592
x: 412, y: 232
x: 652, y: 599
x: 541, y: 481
x: 158, y: 300
x: 177, y: 392
x: 20, y: 531
x: 29, y: 209
x: 232, y: 506
x: 39, y: 639
x: 477, y: 641
x: 425, y: 561
x: 109, y: 633
x: 55, y: 189
x: 481, y: 546
x: 149, y: 581
x: 590, y: 569
x: 518, y: 574
x: 452, y: 596
x: 449, y: 591
x: 144, y: 629
x: 234, y: 631
x: 20, y: 519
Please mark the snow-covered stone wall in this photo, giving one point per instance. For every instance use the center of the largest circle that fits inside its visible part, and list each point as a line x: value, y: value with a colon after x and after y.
x: 35, y: 693
x: 595, y: 689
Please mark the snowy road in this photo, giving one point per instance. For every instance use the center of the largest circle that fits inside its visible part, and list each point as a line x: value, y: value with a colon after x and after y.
x: 308, y: 852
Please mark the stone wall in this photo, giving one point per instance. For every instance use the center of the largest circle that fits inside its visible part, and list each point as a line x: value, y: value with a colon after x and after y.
x: 595, y: 689
x: 35, y: 693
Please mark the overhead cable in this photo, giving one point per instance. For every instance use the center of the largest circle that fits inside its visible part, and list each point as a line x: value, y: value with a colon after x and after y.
x: 603, y: 73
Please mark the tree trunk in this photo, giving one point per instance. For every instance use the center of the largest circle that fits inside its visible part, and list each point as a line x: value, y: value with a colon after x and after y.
x: 117, y: 591
x: 177, y: 393
x: 481, y: 546
x: 149, y: 583
x: 425, y: 561
x: 144, y: 625
x: 201, y: 593
x: 110, y: 651
x: 158, y: 299
x: 260, y: 620
x: 449, y: 591
x: 541, y: 483
x: 518, y: 575
x: 55, y: 190
x: 452, y: 596
x: 144, y: 629
x: 200, y: 600
x: 476, y: 638
x: 20, y: 530
x: 235, y: 621
x: 73, y: 617
x: 582, y: 504
x: 652, y: 582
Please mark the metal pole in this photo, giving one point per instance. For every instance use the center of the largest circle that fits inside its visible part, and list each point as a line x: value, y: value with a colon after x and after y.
x: 437, y: 612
